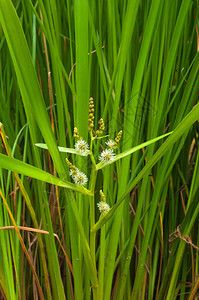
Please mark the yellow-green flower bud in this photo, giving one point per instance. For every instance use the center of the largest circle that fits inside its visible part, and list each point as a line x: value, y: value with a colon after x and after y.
x: 71, y: 166
x: 90, y: 114
x: 101, y: 127
x: 102, y: 196
x: 117, y: 139
x: 76, y: 133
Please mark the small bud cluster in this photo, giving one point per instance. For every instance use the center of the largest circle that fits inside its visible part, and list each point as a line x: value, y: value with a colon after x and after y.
x: 101, y: 127
x: 110, y: 144
x: 102, y: 196
x: 79, y: 177
x: 73, y: 169
x: 76, y: 133
x: 102, y: 205
x: 117, y: 139
x: 91, y: 114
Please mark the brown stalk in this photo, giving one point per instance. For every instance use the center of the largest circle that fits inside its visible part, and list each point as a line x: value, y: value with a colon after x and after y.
x: 23, y: 247
x: 30, y: 229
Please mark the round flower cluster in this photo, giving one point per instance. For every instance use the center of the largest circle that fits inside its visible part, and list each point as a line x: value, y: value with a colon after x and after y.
x: 82, y: 146
x: 103, y: 207
x: 107, y: 156
x: 80, y: 178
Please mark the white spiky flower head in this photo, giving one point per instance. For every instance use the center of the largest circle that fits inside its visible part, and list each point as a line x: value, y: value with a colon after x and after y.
x: 82, y: 146
x: 103, y: 207
x: 80, y: 178
x: 110, y: 144
x: 107, y: 156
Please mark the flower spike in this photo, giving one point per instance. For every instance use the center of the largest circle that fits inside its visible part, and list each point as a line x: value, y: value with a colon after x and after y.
x: 101, y: 127
x: 117, y: 139
x: 91, y: 114
x: 76, y: 133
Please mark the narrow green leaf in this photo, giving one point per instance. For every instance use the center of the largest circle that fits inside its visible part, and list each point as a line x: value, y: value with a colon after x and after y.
x: 132, y: 150
x: 67, y: 150
x: 20, y: 167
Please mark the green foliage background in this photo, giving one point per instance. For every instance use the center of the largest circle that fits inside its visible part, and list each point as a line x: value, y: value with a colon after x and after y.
x: 139, y: 61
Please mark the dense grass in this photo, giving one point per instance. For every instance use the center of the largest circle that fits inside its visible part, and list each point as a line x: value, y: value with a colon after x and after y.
x: 139, y: 61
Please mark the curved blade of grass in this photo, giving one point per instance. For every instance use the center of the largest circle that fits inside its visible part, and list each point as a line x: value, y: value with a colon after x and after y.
x: 119, y: 68
x: 27, y: 77
x: 34, y: 105
x: 82, y: 79
x: 20, y: 167
x: 64, y: 149
x: 132, y: 150
x: 51, y: 45
x: 186, y: 123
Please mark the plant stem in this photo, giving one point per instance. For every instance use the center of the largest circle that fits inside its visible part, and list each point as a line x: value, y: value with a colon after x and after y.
x: 92, y: 215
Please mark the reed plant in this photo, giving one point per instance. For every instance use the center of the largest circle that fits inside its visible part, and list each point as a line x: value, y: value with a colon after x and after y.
x: 99, y: 149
